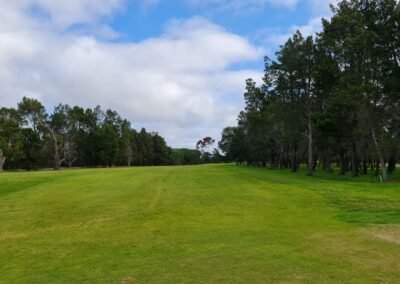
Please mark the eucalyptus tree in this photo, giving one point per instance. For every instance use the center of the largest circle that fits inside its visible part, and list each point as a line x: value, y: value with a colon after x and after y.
x: 203, y: 146
x: 34, y: 114
x: 126, y: 143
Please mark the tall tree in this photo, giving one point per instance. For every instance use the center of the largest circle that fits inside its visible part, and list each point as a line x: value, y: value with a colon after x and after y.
x: 34, y: 114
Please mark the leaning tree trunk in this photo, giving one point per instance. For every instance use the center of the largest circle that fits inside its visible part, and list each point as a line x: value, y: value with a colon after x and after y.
x: 2, y: 160
x: 57, y: 161
x: 385, y: 176
x: 71, y: 162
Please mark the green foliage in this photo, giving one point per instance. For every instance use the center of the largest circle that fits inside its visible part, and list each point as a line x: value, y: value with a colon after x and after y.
x: 186, y: 157
x: 31, y: 139
x: 332, y: 97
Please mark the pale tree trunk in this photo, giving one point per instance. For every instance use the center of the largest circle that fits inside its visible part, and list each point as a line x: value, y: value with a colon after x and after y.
x: 70, y: 155
x: 385, y: 176
x: 57, y: 160
x: 2, y: 160
x: 71, y: 162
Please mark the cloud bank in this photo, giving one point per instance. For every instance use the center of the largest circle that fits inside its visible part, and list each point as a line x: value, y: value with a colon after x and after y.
x: 179, y: 83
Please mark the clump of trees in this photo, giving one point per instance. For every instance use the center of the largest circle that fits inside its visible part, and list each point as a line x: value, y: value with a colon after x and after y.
x: 329, y: 98
x: 30, y: 138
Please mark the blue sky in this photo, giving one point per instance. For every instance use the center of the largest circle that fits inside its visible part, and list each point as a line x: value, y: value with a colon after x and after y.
x: 177, y: 67
x: 138, y: 22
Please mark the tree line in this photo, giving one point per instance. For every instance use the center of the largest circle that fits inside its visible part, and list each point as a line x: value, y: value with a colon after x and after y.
x: 332, y: 98
x: 30, y: 138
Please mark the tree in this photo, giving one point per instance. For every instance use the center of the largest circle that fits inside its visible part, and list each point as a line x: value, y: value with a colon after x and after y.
x: 107, y: 138
x: 203, y: 146
x: 162, y: 153
x: 62, y: 122
x: 30, y: 138
x: 34, y: 114
x: 330, y: 97
x: 233, y: 144
x: 126, y: 143
x: 357, y: 38
x: 9, y: 135
x: 145, y: 149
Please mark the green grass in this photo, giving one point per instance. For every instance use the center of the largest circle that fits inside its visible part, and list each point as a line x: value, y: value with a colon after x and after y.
x: 201, y: 224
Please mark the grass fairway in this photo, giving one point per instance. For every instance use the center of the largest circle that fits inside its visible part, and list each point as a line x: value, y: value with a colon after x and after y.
x: 201, y: 224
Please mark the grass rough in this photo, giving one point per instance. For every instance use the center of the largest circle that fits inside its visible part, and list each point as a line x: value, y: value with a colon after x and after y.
x: 198, y: 224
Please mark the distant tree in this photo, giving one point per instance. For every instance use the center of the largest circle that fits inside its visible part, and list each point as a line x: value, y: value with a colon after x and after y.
x: 145, y: 150
x: 34, y: 114
x: 126, y: 143
x: 107, y: 138
x: 31, y: 146
x: 10, y: 147
x: 162, y: 153
x: 185, y: 156
x: 203, y: 146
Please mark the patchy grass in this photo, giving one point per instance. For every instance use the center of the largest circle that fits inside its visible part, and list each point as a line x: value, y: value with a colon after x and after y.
x: 201, y: 224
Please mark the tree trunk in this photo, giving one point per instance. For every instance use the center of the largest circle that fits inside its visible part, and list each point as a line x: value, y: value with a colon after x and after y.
x: 310, y: 148
x: 385, y: 176
x: 56, y: 162
x: 343, y: 164
x: 294, y: 160
x: 392, y: 162
x: 315, y: 164
x: 377, y: 168
x: 354, y: 161
x: 365, y: 167
x: 71, y: 162
x: 2, y: 160
x: 328, y: 165
x: 282, y: 159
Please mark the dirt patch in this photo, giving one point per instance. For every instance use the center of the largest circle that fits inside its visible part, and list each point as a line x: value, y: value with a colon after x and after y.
x: 127, y: 280
x: 12, y: 236
x: 155, y: 199
x: 387, y: 233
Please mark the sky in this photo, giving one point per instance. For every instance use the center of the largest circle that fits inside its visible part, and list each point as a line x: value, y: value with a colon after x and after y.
x: 177, y: 67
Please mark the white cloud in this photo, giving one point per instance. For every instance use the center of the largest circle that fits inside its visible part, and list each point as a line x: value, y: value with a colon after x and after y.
x: 321, y: 7
x: 273, y: 38
x: 244, y: 5
x: 178, y: 83
x: 313, y: 26
x: 62, y: 14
